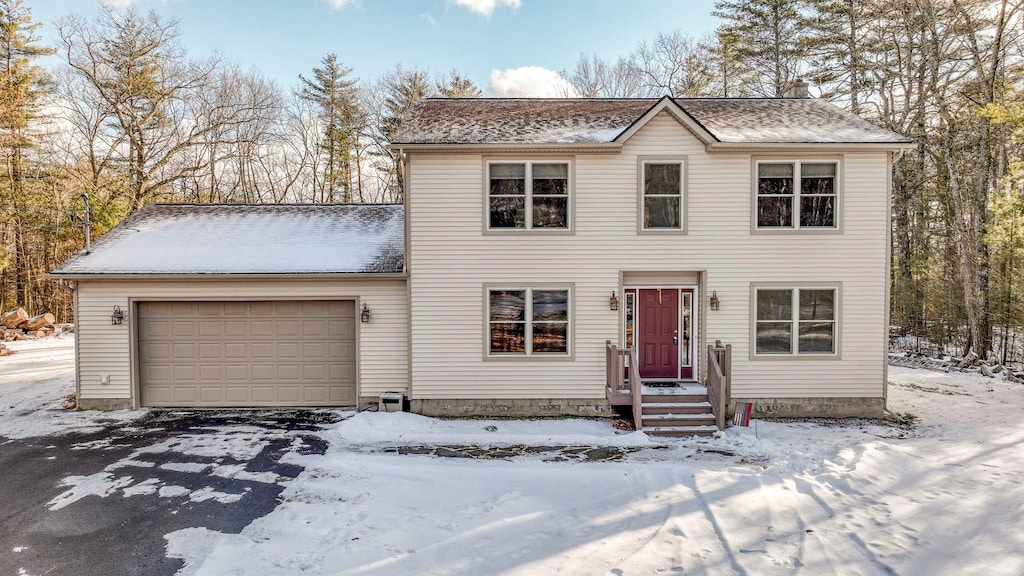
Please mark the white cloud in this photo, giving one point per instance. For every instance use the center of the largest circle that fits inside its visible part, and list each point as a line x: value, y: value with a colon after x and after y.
x: 339, y: 4
x: 426, y: 17
x: 529, y: 82
x: 486, y: 7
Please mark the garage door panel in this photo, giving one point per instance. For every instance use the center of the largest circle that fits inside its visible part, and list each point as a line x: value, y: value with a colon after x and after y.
x: 235, y: 308
x: 345, y: 351
x: 315, y: 351
x: 211, y: 350
x: 236, y: 372
x: 156, y: 395
x: 341, y: 328
x: 342, y: 372
x: 261, y: 328
x: 266, y: 372
x: 184, y: 329
x: 211, y: 394
x: 262, y: 350
x: 314, y: 309
x: 236, y: 350
x: 289, y: 394
x: 237, y: 395
x: 154, y: 328
x: 211, y: 328
x: 286, y: 353
x: 314, y: 394
x: 158, y: 373
x: 185, y: 394
x: 236, y: 328
x: 314, y: 372
x: 314, y: 328
x: 211, y: 373
x: 183, y: 351
x: 288, y: 350
x: 342, y: 395
x: 287, y: 328
x: 155, y: 351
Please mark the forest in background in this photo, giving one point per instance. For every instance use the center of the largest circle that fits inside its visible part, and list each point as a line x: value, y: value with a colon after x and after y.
x: 129, y: 117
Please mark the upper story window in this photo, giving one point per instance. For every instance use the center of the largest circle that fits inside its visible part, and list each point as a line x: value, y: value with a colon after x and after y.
x: 800, y: 194
x: 528, y: 195
x: 795, y: 321
x: 661, y: 194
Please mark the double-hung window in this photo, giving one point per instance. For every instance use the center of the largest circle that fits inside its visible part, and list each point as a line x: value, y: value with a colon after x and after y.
x: 799, y: 194
x: 661, y: 194
x: 795, y: 321
x: 528, y: 321
x: 528, y: 195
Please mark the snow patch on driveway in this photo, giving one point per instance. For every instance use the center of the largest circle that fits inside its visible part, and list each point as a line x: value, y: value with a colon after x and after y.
x: 101, y: 484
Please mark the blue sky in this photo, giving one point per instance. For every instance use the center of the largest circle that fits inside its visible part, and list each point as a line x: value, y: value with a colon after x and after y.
x: 480, y: 38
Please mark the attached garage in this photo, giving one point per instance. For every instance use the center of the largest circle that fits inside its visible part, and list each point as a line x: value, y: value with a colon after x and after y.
x: 213, y: 354
x: 243, y: 307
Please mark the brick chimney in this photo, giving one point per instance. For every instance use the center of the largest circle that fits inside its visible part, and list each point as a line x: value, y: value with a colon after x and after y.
x: 799, y: 88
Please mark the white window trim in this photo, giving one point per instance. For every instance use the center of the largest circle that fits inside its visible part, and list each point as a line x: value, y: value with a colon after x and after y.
x: 836, y: 353
x: 529, y: 354
x: 529, y: 229
x: 643, y: 161
x: 797, y: 162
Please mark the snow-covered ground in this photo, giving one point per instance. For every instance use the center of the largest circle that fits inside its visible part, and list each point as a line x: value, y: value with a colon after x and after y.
x: 942, y: 496
x: 35, y: 383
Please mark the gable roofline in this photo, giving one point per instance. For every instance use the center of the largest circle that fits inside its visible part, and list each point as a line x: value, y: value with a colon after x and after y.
x: 666, y: 103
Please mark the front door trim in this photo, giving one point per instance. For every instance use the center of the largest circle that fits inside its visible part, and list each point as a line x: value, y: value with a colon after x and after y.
x: 694, y: 324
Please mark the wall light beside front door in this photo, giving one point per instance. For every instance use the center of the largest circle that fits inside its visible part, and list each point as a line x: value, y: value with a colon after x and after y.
x: 364, y: 314
x: 715, y: 302
x: 117, y: 317
x: 613, y: 302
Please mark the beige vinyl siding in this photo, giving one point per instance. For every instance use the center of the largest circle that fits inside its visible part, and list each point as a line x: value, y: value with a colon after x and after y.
x: 105, y: 350
x: 450, y: 260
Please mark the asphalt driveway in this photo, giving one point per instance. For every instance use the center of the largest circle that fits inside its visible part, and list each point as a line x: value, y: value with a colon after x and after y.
x: 100, y: 503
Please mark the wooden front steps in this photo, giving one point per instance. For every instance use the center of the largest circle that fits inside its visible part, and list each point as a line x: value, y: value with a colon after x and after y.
x: 680, y: 410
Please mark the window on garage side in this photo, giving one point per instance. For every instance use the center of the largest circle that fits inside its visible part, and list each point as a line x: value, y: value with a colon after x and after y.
x: 528, y: 322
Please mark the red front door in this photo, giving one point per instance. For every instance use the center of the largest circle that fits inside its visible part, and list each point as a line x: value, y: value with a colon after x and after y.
x: 659, y: 333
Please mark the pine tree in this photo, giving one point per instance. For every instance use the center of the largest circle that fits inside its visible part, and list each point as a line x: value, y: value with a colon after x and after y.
x: 22, y: 93
x: 335, y: 94
x: 769, y: 37
x: 455, y: 85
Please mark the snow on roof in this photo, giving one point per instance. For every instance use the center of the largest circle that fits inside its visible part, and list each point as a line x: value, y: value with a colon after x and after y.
x: 581, y: 121
x: 249, y: 239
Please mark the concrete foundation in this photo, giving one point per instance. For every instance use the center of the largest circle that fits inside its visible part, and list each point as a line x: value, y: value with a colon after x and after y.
x: 104, y: 404
x: 514, y: 407
x: 814, y: 407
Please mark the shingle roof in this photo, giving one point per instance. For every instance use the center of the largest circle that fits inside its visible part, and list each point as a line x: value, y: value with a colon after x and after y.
x: 248, y: 239
x: 585, y: 121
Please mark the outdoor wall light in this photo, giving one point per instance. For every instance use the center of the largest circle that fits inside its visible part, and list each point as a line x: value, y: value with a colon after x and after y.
x: 715, y: 303
x: 364, y: 315
x: 613, y: 302
x: 117, y: 317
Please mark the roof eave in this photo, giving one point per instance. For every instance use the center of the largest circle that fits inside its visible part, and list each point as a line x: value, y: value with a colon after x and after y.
x: 809, y: 146
x: 193, y: 276
x: 492, y: 147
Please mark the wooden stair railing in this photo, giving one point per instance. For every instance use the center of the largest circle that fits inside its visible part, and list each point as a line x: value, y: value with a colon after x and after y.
x: 719, y: 380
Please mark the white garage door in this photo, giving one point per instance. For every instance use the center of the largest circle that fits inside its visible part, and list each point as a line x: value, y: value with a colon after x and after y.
x: 247, y: 354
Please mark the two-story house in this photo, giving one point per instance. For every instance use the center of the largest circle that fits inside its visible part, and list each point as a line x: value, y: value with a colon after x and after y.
x: 550, y: 248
